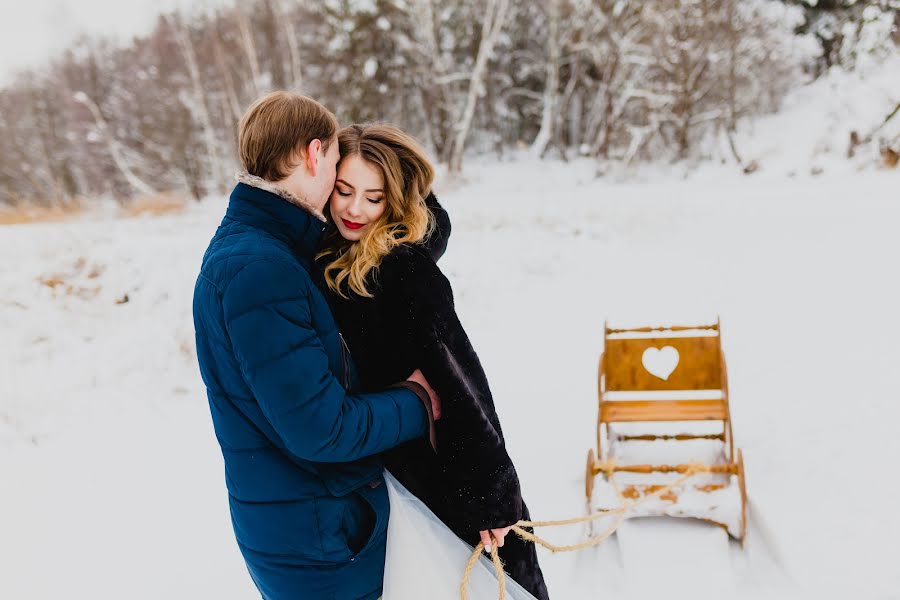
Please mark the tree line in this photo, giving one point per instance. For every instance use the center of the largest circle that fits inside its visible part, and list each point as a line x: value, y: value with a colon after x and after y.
x: 620, y: 81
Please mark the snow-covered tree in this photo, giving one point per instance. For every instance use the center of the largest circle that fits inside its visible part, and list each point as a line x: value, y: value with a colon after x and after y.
x: 619, y: 80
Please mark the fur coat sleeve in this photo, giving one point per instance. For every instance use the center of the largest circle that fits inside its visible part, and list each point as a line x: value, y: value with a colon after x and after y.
x: 436, y: 244
x: 479, y: 480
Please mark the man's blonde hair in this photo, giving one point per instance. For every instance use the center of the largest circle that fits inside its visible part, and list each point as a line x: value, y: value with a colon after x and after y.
x: 276, y: 130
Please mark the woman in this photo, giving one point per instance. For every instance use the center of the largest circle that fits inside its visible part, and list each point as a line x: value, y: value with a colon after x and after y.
x: 395, y: 309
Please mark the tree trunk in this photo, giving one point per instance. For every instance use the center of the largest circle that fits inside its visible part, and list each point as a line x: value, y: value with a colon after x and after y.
x: 494, y: 19
x: 215, y: 169
x: 138, y: 184
x: 249, y: 49
x: 290, y: 32
x: 733, y: 39
x: 551, y: 86
x: 233, y: 104
x: 436, y: 106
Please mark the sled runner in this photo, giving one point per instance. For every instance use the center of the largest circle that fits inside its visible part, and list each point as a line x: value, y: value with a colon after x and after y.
x: 663, y: 410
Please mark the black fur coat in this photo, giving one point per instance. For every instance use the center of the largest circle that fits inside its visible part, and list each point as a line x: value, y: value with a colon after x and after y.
x: 470, y: 481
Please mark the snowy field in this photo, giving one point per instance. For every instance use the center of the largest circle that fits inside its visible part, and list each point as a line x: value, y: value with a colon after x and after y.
x: 112, y: 481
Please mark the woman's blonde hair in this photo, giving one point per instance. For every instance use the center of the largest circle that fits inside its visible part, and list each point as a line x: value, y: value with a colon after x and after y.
x: 408, y: 176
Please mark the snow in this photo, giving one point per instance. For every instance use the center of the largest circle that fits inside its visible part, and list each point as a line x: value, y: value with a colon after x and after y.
x: 113, y: 483
x: 721, y: 506
x: 797, y: 269
x: 370, y: 67
x: 812, y: 130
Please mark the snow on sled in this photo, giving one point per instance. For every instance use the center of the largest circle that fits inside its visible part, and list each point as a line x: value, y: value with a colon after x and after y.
x: 664, y: 436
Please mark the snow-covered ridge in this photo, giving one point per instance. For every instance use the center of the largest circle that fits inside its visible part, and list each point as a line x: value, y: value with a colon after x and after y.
x: 811, y: 133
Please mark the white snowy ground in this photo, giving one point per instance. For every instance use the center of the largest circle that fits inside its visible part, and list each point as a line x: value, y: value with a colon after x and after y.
x: 112, y: 482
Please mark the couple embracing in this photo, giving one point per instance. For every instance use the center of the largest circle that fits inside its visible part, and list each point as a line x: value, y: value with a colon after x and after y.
x: 330, y: 349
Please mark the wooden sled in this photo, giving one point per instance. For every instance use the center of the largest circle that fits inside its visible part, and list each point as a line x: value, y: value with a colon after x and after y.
x: 653, y: 384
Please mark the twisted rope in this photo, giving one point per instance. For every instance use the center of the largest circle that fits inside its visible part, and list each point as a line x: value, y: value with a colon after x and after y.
x: 607, y: 467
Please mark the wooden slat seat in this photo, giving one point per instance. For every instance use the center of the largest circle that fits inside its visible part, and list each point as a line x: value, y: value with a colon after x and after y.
x: 663, y: 410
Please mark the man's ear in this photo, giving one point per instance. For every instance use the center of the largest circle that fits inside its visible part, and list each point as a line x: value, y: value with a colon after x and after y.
x: 312, y: 156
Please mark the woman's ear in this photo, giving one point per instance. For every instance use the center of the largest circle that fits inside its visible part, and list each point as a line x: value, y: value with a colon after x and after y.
x: 312, y: 156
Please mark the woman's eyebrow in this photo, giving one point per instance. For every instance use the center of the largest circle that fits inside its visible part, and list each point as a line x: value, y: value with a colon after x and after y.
x: 353, y: 188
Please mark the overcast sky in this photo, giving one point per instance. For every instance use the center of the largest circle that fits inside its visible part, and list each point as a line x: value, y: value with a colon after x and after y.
x: 31, y: 31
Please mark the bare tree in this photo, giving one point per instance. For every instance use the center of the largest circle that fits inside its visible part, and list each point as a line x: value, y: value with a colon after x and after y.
x: 290, y: 34
x: 115, y: 152
x: 618, y: 80
x: 551, y: 87
x: 234, y: 104
x: 249, y: 48
x: 435, y: 100
x: 491, y: 26
x: 198, y: 107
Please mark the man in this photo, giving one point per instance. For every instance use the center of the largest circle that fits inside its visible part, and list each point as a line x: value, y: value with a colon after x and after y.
x: 308, y: 506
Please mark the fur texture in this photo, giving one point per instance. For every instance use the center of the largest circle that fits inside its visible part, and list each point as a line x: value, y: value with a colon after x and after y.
x: 470, y: 482
x: 273, y: 188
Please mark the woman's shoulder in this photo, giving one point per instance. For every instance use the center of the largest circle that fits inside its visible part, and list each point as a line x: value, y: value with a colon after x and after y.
x: 409, y: 267
x: 407, y: 256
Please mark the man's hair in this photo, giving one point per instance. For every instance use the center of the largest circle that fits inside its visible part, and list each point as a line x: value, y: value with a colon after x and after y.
x: 276, y: 130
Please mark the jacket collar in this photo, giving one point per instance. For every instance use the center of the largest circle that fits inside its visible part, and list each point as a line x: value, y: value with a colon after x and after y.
x: 259, y: 182
x: 283, y: 218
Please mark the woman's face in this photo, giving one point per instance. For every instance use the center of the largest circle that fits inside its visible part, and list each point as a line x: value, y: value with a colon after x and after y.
x: 358, y: 197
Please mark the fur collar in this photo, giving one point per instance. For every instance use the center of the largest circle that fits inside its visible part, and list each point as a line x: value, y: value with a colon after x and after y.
x: 268, y: 186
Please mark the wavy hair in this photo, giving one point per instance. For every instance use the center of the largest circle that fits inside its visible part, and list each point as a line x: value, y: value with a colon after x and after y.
x: 407, y: 176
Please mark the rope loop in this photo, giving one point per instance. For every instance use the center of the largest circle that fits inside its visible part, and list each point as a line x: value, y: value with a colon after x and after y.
x: 608, y: 468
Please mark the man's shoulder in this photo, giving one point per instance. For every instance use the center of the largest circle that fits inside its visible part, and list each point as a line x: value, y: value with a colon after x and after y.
x: 237, y: 248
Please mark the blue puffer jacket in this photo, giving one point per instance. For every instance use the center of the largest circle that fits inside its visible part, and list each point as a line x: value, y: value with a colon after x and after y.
x: 299, y: 450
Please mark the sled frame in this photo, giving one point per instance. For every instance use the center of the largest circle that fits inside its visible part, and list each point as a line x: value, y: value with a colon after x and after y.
x: 701, y: 368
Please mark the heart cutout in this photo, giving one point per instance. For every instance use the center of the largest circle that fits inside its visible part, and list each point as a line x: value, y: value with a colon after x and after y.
x: 660, y: 362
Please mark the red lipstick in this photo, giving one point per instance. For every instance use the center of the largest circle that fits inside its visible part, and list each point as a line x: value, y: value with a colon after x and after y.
x: 352, y: 225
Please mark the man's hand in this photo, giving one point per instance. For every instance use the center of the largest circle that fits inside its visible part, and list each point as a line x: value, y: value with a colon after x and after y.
x: 497, y: 534
x: 419, y: 378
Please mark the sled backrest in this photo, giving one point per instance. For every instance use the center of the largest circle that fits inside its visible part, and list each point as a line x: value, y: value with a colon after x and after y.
x: 676, y: 359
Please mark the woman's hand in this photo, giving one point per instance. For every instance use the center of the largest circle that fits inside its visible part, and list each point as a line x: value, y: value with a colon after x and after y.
x: 419, y: 378
x: 497, y: 534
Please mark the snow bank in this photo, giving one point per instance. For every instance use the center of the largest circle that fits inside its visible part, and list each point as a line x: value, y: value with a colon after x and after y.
x: 811, y: 133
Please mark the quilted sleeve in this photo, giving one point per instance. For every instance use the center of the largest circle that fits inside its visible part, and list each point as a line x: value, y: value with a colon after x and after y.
x: 283, y: 361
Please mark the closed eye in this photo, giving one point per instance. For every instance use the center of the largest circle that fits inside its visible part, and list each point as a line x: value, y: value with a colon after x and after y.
x: 340, y: 193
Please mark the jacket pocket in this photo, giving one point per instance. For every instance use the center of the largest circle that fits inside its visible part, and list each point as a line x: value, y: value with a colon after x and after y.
x: 378, y: 502
x: 359, y: 523
x: 352, y: 524
x: 288, y: 530
x: 335, y: 515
